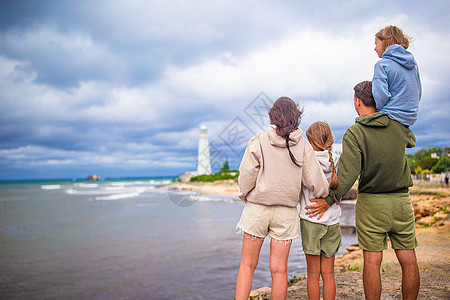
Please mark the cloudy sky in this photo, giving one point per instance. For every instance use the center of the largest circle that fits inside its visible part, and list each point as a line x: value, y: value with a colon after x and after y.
x: 120, y: 88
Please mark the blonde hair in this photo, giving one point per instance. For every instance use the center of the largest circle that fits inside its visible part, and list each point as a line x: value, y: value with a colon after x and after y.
x: 391, y: 35
x: 320, y: 136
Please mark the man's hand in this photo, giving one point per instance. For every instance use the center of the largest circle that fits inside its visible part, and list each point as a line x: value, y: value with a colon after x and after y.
x: 319, y: 208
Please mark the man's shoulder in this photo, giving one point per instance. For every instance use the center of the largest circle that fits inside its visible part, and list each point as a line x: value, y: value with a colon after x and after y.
x: 354, y: 128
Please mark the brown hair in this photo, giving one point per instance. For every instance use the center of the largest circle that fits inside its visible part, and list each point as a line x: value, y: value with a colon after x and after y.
x: 285, y: 115
x: 363, y: 91
x: 391, y: 35
x: 320, y: 136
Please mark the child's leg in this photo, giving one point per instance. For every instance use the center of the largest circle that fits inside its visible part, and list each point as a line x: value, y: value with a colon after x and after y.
x: 279, y: 253
x: 327, y: 273
x: 251, y: 247
x: 313, y: 270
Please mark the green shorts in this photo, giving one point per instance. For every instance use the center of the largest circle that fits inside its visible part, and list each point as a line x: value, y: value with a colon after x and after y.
x: 382, y: 215
x: 320, y: 239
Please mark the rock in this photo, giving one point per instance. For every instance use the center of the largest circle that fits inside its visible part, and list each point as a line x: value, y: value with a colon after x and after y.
x: 261, y: 292
x: 425, y: 220
x: 352, y: 248
x: 439, y: 216
x: 186, y: 176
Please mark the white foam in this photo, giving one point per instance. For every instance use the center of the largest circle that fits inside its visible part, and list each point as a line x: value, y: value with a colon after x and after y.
x: 86, y: 185
x: 119, y: 196
x: 145, y: 204
x: 204, y: 198
x: 84, y: 192
x: 114, y: 188
x: 51, y: 187
x: 160, y: 182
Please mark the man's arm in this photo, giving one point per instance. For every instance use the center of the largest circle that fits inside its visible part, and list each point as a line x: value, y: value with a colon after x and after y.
x: 350, y: 166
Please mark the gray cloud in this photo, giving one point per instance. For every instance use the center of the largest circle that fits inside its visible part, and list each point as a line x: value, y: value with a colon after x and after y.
x: 122, y: 87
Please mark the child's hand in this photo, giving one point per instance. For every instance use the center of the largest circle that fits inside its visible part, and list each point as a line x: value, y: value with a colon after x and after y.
x: 319, y: 208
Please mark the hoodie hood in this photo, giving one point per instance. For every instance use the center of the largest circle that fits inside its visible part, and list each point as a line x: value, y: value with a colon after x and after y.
x: 373, y: 120
x: 401, y: 56
x: 278, y: 141
x: 324, y: 161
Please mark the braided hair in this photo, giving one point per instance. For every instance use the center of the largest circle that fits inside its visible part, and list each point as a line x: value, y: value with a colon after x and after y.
x: 320, y: 136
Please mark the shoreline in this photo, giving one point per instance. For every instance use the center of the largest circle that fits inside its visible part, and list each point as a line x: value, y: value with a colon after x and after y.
x: 220, y: 187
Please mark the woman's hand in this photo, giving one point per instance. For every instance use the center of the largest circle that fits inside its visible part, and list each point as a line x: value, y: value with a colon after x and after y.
x: 319, y: 208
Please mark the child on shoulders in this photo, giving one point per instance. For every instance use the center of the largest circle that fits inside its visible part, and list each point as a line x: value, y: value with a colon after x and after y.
x: 396, y: 85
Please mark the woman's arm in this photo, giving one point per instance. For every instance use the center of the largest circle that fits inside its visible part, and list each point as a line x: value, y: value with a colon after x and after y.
x: 249, y: 168
x: 313, y: 177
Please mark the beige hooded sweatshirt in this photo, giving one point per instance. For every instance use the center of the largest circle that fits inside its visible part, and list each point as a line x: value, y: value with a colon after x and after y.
x: 269, y: 177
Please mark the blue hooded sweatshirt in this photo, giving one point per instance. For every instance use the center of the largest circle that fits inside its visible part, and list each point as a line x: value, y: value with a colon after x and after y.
x: 396, y: 85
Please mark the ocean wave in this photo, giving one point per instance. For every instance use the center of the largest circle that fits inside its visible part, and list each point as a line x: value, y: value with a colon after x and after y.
x: 160, y: 182
x: 192, y: 196
x: 204, y: 198
x: 106, y: 191
x: 51, y: 187
x: 115, y: 188
x: 118, y: 196
x: 145, y: 204
x: 86, y: 193
x: 86, y: 185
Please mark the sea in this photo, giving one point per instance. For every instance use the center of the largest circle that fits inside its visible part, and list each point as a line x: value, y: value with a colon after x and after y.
x: 127, y: 239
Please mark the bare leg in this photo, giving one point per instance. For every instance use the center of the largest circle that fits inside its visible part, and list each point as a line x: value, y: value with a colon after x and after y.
x: 249, y: 260
x: 279, y: 253
x: 327, y: 273
x: 313, y: 271
x: 371, y: 274
x: 410, y: 273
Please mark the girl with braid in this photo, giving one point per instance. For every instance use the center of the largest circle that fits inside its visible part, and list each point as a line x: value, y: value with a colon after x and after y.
x: 276, y: 164
x: 321, y: 236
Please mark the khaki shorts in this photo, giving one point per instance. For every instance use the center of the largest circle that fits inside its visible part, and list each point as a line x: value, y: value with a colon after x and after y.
x: 277, y: 221
x: 382, y: 215
x: 320, y: 239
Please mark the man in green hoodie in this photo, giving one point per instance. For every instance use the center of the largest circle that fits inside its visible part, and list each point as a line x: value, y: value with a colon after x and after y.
x: 374, y: 150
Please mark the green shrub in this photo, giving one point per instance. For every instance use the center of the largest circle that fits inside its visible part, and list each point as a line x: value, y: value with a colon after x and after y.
x: 214, y: 177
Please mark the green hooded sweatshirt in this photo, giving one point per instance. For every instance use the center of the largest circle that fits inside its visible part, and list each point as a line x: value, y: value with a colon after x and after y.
x: 374, y: 149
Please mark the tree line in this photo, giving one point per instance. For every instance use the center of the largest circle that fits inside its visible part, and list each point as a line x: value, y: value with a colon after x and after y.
x: 429, y: 161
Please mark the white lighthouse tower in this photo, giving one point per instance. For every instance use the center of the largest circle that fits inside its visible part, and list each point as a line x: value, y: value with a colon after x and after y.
x: 203, y: 163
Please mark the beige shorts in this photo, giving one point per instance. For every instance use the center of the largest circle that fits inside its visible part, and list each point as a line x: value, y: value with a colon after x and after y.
x: 277, y: 221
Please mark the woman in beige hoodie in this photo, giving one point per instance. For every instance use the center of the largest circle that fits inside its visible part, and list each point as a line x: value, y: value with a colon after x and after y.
x: 275, y: 164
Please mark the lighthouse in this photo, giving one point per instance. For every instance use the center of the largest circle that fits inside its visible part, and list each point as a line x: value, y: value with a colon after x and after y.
x: 203, y: 162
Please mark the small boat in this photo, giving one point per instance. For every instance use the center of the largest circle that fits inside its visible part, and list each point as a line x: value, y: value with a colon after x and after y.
x: 93, y: 178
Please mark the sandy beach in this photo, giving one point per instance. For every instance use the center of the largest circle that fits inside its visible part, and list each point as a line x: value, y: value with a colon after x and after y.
x: 431, y: 206
x: 221, y: 187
